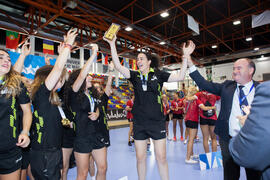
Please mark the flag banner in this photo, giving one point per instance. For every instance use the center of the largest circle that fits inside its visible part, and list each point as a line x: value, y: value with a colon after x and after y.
x: 12, y: 39
x: 99, y: 57
x: 210, y: 160
x: 134, y: 64
x: 48, y: 47
x: 31, y: 63
x: 126, y: 62
x: 261, y: 19
x: 106, y: 58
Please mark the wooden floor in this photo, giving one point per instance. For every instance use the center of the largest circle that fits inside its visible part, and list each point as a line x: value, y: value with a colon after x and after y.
x: 118, y: 124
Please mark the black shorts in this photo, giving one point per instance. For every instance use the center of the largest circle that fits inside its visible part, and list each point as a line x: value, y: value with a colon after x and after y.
x: 209, y: 122
x: 101, y: 140
x: 167, y: 117
x: 84, y: 144
x: 177, y: 116
x: 130, y: 120
x: 25, y: 157
x: 10, y: 160
x: 68, y: 137
x: 192, y: 124
x: 155, y: 130
x: 45, y: 164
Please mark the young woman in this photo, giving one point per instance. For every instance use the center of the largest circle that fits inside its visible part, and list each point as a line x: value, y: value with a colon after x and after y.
x: 177, y: 108
x: 13, y: 95
x: 192, y: 104
x: 46, y: 153
x: 149, y: 120
x: 102, y: 137
x: 208, y: 120
x: 130, y: 118
x: 166, y: 109
x: 82, y: 98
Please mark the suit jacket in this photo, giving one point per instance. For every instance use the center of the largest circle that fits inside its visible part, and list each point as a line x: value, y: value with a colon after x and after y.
x: 251, y: 147
x: 226, y: 91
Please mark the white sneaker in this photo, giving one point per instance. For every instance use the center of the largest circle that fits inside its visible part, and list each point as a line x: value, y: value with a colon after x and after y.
x: 191, y: 161
x: 194, y: 156
x: 185, y: 142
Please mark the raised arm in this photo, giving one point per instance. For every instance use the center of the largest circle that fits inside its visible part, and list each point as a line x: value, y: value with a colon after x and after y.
x: 206, y: 108
x: 18, y: 66
x: 187, y: 50
x: 108, y: 88
x: 61, y: 60
x: 122, y: 69
x: 85, y: 70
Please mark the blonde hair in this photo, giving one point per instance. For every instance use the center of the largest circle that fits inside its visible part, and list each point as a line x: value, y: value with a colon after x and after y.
x: 40, y: 77
x: 12, y: 83
x: 192, y: 90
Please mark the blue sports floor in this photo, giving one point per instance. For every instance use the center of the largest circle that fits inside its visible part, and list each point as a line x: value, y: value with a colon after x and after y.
x: 122, y: 160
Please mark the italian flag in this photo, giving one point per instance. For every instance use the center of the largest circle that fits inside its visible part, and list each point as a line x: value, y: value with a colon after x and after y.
x: 12, y: 39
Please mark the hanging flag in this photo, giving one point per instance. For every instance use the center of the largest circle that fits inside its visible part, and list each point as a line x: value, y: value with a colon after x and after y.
x: 99, y: 57
x: 48, y: 47
x: 12, y: 39
x: 106, y: 58
x: 126, y: 62
x: 121, y: 59
x: 134, y: 65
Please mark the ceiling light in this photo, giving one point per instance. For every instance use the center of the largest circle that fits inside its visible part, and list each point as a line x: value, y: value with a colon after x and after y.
x: 128, y: 28
x: 256, y: 49
x: 237, y: 22
x: 249, y: 39
x: 143, y: 50
x: 162, y: 43
x: 164, y: 14
x: 214, y: 46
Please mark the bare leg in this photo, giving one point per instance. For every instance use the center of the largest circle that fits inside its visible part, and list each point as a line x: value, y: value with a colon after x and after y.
x: 66, y: 157
x: 14, y: 175
x: 141, y: 146
x: 100, y: 157
x: 82, y: 162
x: 160, y: 152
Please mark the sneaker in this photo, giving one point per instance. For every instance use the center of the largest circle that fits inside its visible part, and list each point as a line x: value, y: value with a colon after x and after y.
x: 129, y: 143
x: 191, y: 161
x: 182, y: 139
x: 174, y: 138
x: 194, y: 156
x: 185, y: 142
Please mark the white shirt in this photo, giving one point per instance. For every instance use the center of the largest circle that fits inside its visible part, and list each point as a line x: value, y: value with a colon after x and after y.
x: 234, y: 123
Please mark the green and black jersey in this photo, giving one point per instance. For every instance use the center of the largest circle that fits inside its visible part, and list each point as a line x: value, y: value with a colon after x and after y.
x: 147, y: 103
x: 9, y: 117
x: 101, y: 125
x: 47, y: 126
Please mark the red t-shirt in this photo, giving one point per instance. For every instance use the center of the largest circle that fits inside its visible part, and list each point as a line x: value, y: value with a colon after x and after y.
x: 166, y: 108
x: 177, y: 103
x: 129, y: 114
x: 204, y: 96
x: 192, y: 110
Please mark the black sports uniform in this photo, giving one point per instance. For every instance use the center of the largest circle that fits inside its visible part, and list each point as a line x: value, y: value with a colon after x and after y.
x: 46, y: 153
x: 101, y: 125
x: 10, y: 154
x: 149, y: 120
x: 84, y: 129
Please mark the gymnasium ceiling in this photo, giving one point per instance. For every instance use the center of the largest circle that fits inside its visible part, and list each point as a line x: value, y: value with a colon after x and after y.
x: 50, y: 19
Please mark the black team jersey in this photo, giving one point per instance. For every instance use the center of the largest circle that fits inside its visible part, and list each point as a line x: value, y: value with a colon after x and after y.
x: 9, y: 117
x: 147, y: 102
x: 101, y: 125
x: 80, y: 106
x: 47, y: 126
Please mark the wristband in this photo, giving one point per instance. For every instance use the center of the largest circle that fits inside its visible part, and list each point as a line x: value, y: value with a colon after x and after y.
x: 25, y: 132
x: 68, y: 46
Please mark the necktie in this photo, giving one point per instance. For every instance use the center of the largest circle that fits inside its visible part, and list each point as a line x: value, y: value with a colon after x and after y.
x: 243, y: 98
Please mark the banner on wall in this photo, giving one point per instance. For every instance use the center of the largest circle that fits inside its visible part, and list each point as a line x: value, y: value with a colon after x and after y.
x: 209, y: 73
x: 117, y: 114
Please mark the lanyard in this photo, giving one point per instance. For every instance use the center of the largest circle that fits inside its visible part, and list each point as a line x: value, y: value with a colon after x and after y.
x: 144, y: 81
x: 92, y: 102
x: 243, y: 98
x: 62, y: 112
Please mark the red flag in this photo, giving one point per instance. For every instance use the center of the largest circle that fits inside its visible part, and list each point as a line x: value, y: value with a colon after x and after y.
x: 12, y: 39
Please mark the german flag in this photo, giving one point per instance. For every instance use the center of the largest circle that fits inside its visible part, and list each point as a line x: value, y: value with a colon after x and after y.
x: 48, y: 47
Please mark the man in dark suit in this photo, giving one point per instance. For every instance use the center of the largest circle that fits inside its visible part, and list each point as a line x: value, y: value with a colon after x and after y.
x: 234, y: 93
x: 251, y: 147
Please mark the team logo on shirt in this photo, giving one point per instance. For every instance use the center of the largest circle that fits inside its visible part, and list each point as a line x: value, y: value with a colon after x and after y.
x: 5, y: 91
x: 163, y: 131
x: 154, y: 78
x: 18, y: 160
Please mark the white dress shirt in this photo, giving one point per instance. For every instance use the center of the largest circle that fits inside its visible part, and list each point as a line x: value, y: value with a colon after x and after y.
x: 234, y: 123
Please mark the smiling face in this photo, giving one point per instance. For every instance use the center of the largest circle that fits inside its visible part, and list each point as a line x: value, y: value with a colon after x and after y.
x: 143, y: 63
x: 242, y: 72
x: 5, y: 63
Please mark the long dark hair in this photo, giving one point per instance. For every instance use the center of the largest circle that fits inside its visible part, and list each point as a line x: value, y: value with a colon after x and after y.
x: 155, y: 59
x: 68, y: 88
